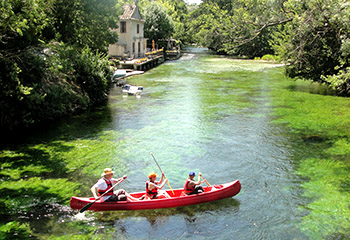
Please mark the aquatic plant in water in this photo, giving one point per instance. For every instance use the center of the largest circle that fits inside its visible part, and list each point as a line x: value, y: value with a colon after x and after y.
x: 322, y: 122
x: 36, y: 178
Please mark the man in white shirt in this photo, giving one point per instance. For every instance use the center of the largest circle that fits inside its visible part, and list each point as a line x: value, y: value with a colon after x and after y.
x: 105, y: 183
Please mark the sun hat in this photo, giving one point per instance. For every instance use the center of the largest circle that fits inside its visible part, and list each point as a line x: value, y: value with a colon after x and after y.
x: 152, y: 174
x: 192, y: 173
x: 107, y: 171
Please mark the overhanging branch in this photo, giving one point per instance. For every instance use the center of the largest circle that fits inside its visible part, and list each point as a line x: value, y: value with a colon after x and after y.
x: 259, y: 31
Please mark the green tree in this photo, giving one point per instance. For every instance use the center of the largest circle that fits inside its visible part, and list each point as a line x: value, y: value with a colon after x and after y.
x: 238, y: 27
x: 35, y: 81
x: 86, y: 22
x: 21, y: 27
x: 316, y: 45
x: 177, y: 10
x: 158, y: 24
x: 206, y: 26
x: 22, y: 24
x: 312, y: 37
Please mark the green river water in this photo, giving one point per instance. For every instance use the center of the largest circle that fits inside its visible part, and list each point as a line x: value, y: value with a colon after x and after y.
x: 288, y: 142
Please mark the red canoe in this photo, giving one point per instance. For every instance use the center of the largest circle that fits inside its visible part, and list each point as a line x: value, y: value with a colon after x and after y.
x: 167, y: 200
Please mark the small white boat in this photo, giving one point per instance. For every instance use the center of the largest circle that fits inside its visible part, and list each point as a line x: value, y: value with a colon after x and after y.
x: 118, y: 77
x: 132, y: 73
x: 119, y: 73
x: 132, y: 90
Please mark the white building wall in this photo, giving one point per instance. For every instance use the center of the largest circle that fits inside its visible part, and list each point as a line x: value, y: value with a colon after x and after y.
x: 126, y: 40
x: 116, y: 50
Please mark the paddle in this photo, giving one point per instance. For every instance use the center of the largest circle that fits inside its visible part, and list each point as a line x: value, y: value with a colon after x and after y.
x: 205, y: 181
x: 87, y: 206
x: 161, y: 171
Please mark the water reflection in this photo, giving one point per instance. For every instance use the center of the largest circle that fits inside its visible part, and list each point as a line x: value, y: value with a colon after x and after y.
x: 313, y: 88
x: 133, y: 224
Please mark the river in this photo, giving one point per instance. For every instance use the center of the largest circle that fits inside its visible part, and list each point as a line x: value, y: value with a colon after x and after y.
x: 286, y: 141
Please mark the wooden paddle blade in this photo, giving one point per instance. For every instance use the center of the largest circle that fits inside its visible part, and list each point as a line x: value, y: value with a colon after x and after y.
x: 86, y: 207
x: 207, y: 183
x: 171, y: 188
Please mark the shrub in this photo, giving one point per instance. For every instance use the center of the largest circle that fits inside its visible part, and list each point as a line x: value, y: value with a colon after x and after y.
x: 269, y: 57
x: 339, y: 81
x: 47, y: 83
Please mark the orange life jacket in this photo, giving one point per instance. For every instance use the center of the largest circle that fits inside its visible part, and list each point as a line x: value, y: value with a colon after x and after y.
x: 187, y: 188
x: 151, y: 193
x: 109, y: 185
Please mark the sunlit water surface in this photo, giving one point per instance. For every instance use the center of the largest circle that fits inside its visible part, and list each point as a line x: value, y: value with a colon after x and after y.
x: 202, y: 113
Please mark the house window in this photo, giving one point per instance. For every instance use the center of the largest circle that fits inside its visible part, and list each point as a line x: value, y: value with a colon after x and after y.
x: 138, y: 28
x: 139, y: 47
x: 123, y: 27
x: 133, y: 47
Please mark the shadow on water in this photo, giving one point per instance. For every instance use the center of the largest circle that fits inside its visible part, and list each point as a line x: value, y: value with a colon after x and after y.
x: 34, y: 165
x: 83, y: 125
x: 21, y: 162
x: 61, y: 220
x: 314, y: 138
x: 31, y: 174
x: 158, y: 218
x: 189, y: 212
x: 313, y: 88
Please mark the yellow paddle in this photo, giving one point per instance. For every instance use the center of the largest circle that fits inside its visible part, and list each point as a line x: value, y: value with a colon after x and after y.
x: 205, y: 181
x: 162, y: 172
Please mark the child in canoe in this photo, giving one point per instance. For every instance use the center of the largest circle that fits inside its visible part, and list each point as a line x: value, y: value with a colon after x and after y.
x: 152, y: 187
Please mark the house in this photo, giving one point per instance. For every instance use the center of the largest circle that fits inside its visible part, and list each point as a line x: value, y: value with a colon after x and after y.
x: 131, y: 42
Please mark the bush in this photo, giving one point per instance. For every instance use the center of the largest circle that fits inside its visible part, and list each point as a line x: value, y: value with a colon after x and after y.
x: 339, y: 82
x: 114, y: 62
x: 269, y: 57
x: 47, y: 83
x: 92, y: 74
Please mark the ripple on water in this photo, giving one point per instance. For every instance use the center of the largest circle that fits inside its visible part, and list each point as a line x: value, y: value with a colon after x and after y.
x: 203, y: 113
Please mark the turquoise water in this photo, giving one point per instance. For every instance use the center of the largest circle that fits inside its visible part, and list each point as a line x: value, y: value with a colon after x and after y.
x: 227, y: 118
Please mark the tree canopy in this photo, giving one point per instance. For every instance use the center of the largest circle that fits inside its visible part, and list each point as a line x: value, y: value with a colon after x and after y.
x: 52, y: 57
x: 311, y: 37
x: 158, y: 24
x: 316, y: 44
x: 89, y: 22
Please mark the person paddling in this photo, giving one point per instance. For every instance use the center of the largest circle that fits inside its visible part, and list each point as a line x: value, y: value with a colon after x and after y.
x: 105, y: 183
x: 152, y: 185
x: 192, y: 187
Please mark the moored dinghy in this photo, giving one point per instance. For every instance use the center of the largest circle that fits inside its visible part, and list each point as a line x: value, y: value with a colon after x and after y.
x: 132, y: 90
x: 167, y: 199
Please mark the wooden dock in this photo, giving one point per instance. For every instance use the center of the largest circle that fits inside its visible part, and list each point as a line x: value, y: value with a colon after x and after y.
x: 142, y: 64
